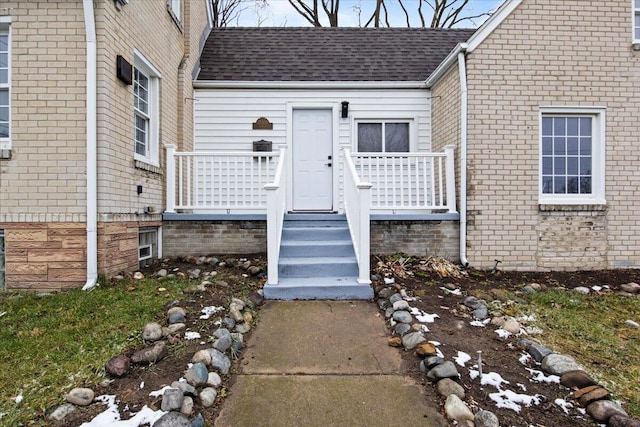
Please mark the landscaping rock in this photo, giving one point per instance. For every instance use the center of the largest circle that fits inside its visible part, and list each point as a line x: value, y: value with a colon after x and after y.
x: 474, y: 303
x: 197, y: 375
x: 198, y: 421
x: 512, y: 326
x: 219, y: 361
x: 598, y: 393
x: 444, y: 370
x: 632, y: 288
x: 202, y: 356
x: 538, y: 352
x: 151, y: 354
x: 172, y: 399
x: 426, y: 349
x: 402, y: 316
x: 118, y: 366
x: 480, y: 313
x: 161, y: 273
x: 152, y: 332
x: 395, y: 298
x: 412, y: 339
x: 208, y: 397
x: 401, y: 305
x: 256, y: 298
x: 61, y: 412
x: 80, y: 396
x: 214, y: 380
x: 186, y: 388
x: 456, y: 410
x: 172, y: 419
x: 558, y: 364
x: 395, y: 342
x: 177, y: 318
x: 223, y: 343
x: 602, y: 410
x: 433, y: 361
x: 631, y: 323
x: 138, y: 275
x: 176, y: 310
x: 447, y: 387
x: 486, y: 419
x: 187, y: 406
x: 173, y: 329
x: 577, y: 379
x: 243, y: 328
x: 401, y: 329
x: 622, y: 421
x: 582, y: 290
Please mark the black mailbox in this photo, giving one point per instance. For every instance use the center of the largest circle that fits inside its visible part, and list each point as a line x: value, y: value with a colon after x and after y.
x: 262, y: 146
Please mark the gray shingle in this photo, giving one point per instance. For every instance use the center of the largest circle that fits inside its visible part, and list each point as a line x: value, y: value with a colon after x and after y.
x: 326, y: 54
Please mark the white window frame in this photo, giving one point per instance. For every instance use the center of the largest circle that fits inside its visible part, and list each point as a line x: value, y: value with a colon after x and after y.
x: 635, y: 10
x: 597, y: 196
x: 175, y: 6
x: 156, y: 233
x: 5, y: 28
x: 376, y: 119
x: 153, y: 113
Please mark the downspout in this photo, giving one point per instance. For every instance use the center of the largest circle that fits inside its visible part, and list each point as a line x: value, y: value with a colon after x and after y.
x: 462, y: 68
x: 92, y: 161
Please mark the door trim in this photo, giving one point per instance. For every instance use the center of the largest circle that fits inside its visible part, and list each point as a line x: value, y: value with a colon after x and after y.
x: 337, y: 161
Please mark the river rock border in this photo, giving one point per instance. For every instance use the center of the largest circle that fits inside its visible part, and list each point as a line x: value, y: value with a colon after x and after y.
x: 407, y: 325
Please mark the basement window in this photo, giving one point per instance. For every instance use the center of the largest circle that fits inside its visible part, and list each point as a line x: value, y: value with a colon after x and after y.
x: 147, y: 246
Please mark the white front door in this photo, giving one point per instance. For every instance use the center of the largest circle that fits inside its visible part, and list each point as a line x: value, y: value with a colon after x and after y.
x: 312, y: 160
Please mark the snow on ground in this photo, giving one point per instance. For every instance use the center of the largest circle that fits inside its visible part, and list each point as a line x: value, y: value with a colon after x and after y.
x: 191, y: 336
x: 525, y: 358
x: 540, y: 377
x: 480, y: 323
x: 462, y: 358
x: 207, y: 312
x: 564, y: 405
x: 511, y: 400
x: 423, y: 317
x: 502, y: 333
x: 111, y: 416
x: 456, y: 292
x: 159, y: 392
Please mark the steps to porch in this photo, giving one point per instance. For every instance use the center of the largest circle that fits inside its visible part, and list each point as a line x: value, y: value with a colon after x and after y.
x: 317, y: 260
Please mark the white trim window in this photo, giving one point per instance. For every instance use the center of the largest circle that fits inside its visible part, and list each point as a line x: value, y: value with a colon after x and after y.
x: 636, y: 21
x: 175, y: 6
x: 147, y: 245
x: 5, y: 87
x: 146, y: 112
x: 379, y: 136
x: 572, y: 152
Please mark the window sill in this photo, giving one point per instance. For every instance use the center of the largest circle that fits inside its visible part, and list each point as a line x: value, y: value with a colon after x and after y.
x: 586, y: 207
x: 139, y: 164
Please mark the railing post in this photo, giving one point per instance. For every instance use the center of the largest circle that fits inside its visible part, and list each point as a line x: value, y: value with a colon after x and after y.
x: 171, y: 178
x: 451, y: 178
x: 364, y: 275
x: 272, y: 234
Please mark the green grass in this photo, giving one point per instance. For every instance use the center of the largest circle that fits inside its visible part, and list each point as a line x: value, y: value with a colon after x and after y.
x: 591, y: 329
x: 51, y: 344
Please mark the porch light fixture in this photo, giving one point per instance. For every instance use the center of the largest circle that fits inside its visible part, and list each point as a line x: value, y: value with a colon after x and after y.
x: 345, y: 109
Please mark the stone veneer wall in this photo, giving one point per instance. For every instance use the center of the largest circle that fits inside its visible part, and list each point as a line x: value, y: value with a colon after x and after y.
x: 45, y: 256
x: 419, y: 238
x: 118, y: 245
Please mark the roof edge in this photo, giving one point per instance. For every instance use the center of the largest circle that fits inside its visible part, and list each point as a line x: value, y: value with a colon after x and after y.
x: 233, y: 84
x: 446, y: 64
x: 492, y: 23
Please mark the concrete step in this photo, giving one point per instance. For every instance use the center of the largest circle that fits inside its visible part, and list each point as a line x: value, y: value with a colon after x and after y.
x: 315, y: 217
x: 330, y: 288
x: 316, y: 233
x: 311, y: 248
x: 317, y: 267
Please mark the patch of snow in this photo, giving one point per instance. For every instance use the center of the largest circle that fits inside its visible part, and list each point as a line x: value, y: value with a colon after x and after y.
x: 141, y: 385
x: 19, y: 398
x: 583, y: 411
x: 111, y: 416
x: 406, y: 297
x: 508, y: 399
x: 596, y: 288
x: 436, y: 343
x: 522, y: 386
x: 207, y: 312
x: 564, y: 405
x: 439, y: 353
x: 457, y: 292
x: 462, y: 358
x: 217, y: 323
x: 525, y: 358
x: 473, y: 372
x: 191, y: 335
x: 493, y: 379
x: 423, y: 317
x: 424, y: 328
x: 525, y: 318
x: 159, y: 392
x: 480, y: 323
x: 502, y: 333
x: 540, y: 377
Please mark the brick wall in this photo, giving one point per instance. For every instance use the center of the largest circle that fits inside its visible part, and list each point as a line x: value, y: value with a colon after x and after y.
x: 417, y: 238
x: 552, y: 53
x: 44, y: 256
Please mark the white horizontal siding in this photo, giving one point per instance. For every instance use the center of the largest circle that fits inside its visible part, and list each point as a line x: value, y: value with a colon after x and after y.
x: 224, y: 117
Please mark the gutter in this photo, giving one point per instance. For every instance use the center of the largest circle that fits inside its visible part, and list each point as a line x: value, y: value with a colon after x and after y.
x: 232, y: 84
x: 92, y: 158
x: 462, y: 68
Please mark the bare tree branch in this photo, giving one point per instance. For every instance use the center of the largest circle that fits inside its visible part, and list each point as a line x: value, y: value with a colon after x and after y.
x: 448, y: 13
x: 307, y: 12
x: 406, y: 14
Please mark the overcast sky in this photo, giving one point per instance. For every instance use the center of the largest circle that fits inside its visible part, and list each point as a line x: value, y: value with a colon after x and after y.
x: 280, y: 13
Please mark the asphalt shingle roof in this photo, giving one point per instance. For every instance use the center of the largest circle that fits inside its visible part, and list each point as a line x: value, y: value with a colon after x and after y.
x: 326, y: 54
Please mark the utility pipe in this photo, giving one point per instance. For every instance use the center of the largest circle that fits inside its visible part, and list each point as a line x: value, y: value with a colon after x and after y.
x: 92, y: 159
x: 462, y: 68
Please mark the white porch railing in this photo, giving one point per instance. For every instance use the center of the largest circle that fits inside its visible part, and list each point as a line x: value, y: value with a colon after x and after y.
x: 276, y: 208
x: 409, y: 181
x: 357, y: 201
x: 218, y: 181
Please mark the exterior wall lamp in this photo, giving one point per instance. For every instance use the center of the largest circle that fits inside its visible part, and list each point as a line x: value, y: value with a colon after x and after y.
x: 345, y: 109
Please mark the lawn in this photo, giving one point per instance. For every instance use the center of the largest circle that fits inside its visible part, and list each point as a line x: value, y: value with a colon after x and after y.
x: 51, y: 344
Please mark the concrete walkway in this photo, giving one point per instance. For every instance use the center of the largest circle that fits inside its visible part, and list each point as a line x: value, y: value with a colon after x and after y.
x: 323, y: 363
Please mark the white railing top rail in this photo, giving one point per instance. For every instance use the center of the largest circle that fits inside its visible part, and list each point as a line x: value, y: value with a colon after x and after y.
x: 277, y: 178
x: 377, y: 154
x: 351, y: 167
x: 225, y: 153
